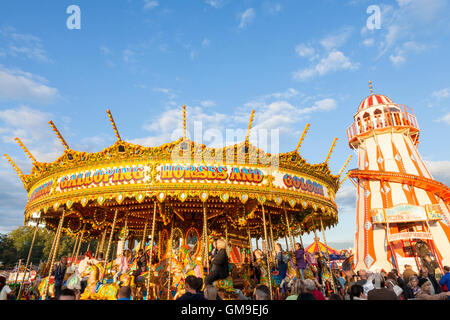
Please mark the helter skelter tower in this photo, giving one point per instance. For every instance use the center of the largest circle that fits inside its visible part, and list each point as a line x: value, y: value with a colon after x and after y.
x: 401, y: 209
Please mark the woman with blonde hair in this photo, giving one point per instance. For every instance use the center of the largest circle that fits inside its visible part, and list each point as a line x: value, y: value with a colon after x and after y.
x: 219, y: 268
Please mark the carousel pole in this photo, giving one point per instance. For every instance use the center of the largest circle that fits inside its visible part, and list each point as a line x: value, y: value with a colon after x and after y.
x: 57, y: 237
x: 102, y: 242
x: 268, y: 256
x: 205, y: 234
x: 80, y: 242
x: 145, y: 233
x: 89, y: 246
x: 122, y: 245
x: 28, y: 259
x: 170, y: 259
x: 109, y: 243
x: 271, y: 232
x: 151, y: 251
x: 328, y: 254
x: 50, y: 255
x: 96, y: 250
x: 75, y: 246
x: 250, y: 244
x: 289, y: 229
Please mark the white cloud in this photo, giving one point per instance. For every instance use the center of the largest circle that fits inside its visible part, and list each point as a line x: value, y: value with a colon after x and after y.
x: 24, y: 46
x: 304, y: 50
x: 397, y: 60
x: 128, y: 56
x: 369, y: 42
x: 247, y: 17
x: 335, y: 61
x: 150, y: 4
x: 31, y: 126
x: 445, y: 118
x: 272, y: 7
x: 105, y: 50
x: 215, y: 3
x: 441, y: 94
x: 205, y: 43
x: 16, y: 85
x: 440, y: 170
x: 337, y: 39
x: 207, y: 103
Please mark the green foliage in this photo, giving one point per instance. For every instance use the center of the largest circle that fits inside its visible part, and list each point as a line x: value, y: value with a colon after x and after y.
x: 16, y: 245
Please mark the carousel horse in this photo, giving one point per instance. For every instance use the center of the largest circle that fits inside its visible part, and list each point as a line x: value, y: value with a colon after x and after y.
x: 95, y: 290
x: 51, y: 287
x: 162, y: 277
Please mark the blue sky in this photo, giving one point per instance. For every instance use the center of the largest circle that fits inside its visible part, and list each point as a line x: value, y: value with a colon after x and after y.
x: 292, y: 61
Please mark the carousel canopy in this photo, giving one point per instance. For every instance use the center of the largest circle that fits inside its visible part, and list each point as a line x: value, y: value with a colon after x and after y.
x: 318, y: 246
x: 180, y: 180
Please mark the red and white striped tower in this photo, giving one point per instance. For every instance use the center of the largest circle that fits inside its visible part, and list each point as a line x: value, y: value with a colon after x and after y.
x: 399, y: 202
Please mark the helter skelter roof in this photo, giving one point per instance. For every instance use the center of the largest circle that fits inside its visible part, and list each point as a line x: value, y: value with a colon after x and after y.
x: 179, y: 177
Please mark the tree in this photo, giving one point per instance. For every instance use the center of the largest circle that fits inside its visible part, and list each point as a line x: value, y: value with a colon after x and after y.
x: 8, y: 252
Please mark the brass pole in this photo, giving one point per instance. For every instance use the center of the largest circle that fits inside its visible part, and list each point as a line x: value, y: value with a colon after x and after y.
x: 145, y: 232
x: 50, y: 255
x: 151, y: 251
x: 57, y: 237
x: 328, y: 254
x: 75, y: 246
x: 28, y: 260
x: 268, y: 256
x: 271, y: 232
x: 250, y: 244
x: 80, y: 242
x: 170, y: 258
x: 109, y: 243
x: 289, y: 229
x: 205, y: 233
x: 102, y: 243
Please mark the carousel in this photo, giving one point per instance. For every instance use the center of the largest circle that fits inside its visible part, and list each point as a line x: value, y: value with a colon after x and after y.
x: 174, y: 200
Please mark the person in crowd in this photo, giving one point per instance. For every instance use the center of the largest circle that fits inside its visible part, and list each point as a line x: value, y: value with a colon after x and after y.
x: 425, y: 292
x: 391, y: 283
x: 211, y: 293
x: 435, y: 288
x: 400, y: 282
x: 281, y: 263
x: 5, y: 290
x: 67, y: 294
x: 412, y: 288
x: 445, y: 280
x: 219, y: 269
x: 357, y: 292
x: 430, y: 264
x: 124, y: 293
x: 214, y: 251
x: 380, y: 292
x: 123, y: 262
x: 59, y: 274
x: 306, y: 286
x: 311, y: 287
x: 141, y: 263
x: 365, y: 280
x: 82, y: 267
x: 300, y: 259
x: 409, y: 272
x: 334, y: 296
x: 294, y: 289
x: 262, y: 292
x: 191, y: 285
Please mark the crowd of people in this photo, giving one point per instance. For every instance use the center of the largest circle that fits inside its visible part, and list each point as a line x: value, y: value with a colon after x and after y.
x: 314, y: 278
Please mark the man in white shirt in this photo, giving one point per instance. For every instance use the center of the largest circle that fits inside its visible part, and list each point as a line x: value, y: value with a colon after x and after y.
x: 82, y: 267
x: 5, y: 290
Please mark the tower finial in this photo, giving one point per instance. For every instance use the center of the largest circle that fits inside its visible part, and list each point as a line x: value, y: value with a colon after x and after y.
x: 58, y: 134
x: 114, y: 125
x: 252, y: 116
x: 184, y: 122
x: 27, y: 152
x: 302, y: 137
x: 371, y: 88
x: 331, y: 150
